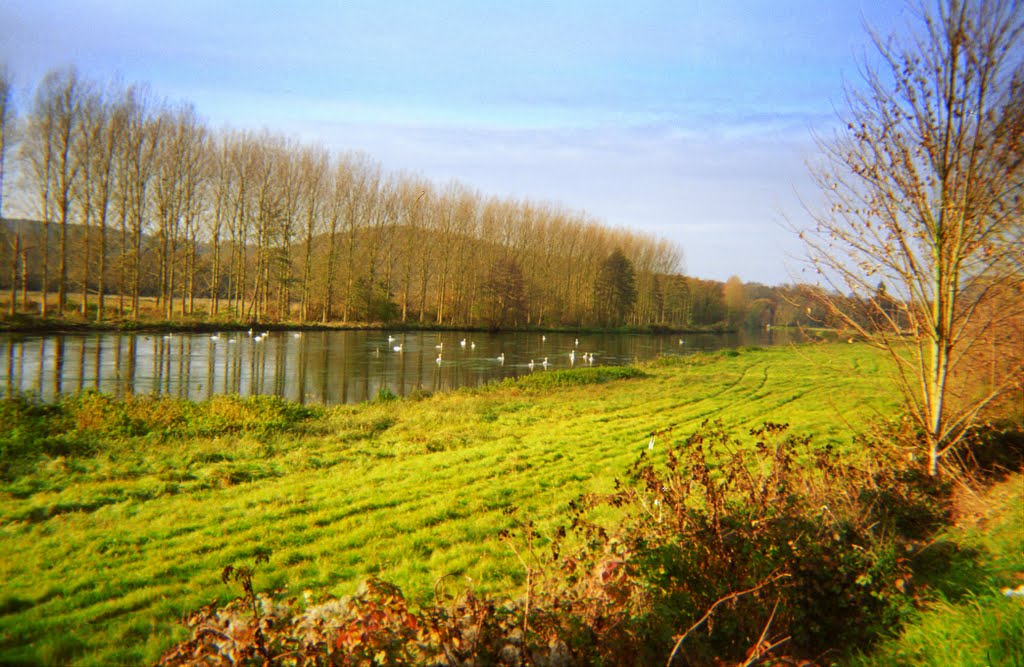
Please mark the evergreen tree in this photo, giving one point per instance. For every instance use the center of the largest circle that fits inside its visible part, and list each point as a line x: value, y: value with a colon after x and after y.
x: 614, y: 290
x: 504, y: 294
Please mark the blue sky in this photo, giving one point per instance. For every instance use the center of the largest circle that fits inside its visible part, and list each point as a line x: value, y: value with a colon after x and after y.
x: 688, y: 119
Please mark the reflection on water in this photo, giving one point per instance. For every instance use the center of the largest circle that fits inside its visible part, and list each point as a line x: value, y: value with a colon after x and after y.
x: 319, y: 366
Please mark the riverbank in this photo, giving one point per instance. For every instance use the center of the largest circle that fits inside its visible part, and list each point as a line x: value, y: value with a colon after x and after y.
x: 123, y: 513
x: 73, y: 322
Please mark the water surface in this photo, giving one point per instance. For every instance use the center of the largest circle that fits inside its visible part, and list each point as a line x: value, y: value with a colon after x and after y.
x: 319, y: 366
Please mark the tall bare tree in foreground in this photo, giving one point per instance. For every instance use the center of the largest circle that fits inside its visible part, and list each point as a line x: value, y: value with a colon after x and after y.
x: 921, y: 197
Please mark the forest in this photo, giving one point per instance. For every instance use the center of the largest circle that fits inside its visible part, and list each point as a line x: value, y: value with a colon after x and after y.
x: 135, y: 208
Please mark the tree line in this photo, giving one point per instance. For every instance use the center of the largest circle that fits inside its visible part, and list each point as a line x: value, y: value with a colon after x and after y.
x: 131, y: 196
x: 135, y: 208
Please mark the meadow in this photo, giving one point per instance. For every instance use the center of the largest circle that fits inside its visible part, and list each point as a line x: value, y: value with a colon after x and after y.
x: 118, y: 516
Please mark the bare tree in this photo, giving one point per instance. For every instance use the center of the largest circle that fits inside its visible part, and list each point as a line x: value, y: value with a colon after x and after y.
x: 166, y: 199
x: 314, y: 163
x: 455, y: 212
x: 128, y: 111
x: 219, y: 192
x: 37, y: 153
x: 144, y: 134
x: 411, y: 195
x: 194, y: 185
x: 85, y: 148
x: 7, y: 120
x: 425, y: 250
x: 290, y: 183
x: 105, y: 135
x: 919, y: 198
x: 268, y: 165
x: 358, y: 193
x: 241, y: 156
x: 59, y: 100
x: 176, y: 196
x: 341, y: 187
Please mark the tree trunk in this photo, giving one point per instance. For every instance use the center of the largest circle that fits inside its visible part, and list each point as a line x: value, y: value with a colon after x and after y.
x: 304, y: 308
x: 121, y: 266
x: 215, y: 286
x: 14, y: 274
x: 332, y: 258
x: 84, y: 308
x: 62, y: 274
x: 46, y: 266
x: 102, y: 267
x: 24, y: 278
x: 136, y: 268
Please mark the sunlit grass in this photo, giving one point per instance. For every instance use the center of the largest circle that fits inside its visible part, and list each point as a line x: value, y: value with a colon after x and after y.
x: 971, y: 624
x: 105, y: 552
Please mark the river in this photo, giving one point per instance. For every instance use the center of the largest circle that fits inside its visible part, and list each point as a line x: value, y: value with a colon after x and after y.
x: 327, y: 367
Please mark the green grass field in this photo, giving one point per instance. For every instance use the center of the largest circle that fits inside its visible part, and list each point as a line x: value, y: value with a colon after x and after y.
x: 106, y: 547
x: 969, y: 621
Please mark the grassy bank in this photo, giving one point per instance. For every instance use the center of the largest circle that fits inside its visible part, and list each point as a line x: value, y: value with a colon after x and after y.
x: 970, y: 619
x: 152, y: 318
x: 122, y: 524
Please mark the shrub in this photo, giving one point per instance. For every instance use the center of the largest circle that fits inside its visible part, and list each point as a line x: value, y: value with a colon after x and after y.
x: 575, y: 377
x: 228, y: 413
x: 720, y: 517
x: 385, y: 395
x: 87, y: 423
x: 27, y: 426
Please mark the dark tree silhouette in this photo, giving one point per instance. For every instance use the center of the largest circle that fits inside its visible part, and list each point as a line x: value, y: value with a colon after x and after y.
x: 505, y: 294
x: 615, y: 290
